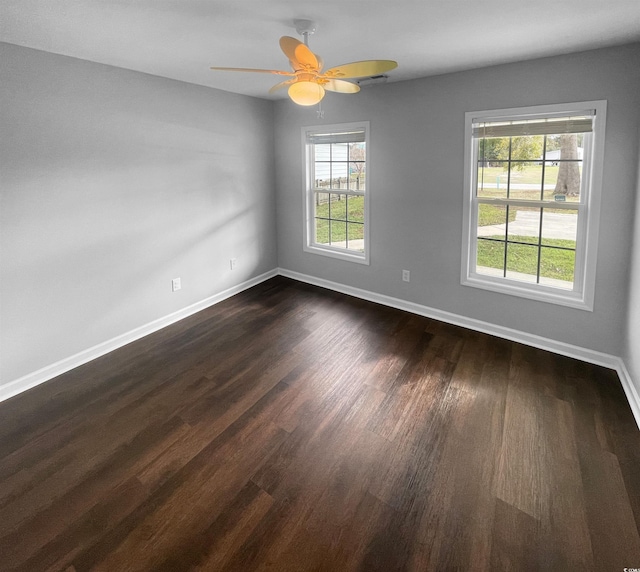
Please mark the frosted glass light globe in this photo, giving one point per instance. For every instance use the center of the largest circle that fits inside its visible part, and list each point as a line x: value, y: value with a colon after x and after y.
x: 306, y: 92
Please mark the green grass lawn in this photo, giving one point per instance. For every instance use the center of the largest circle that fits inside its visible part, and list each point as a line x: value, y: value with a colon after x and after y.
x: 347, y: 219
x: 522, y: 258
x: 348, y: 215
x: 494, y: 214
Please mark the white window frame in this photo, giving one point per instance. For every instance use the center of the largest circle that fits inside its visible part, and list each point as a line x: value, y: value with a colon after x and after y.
x: 308, y: 162
x: 582, y: 295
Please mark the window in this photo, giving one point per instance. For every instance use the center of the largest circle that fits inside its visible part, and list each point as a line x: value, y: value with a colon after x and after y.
x: 336, y: 191
x: 533, y: 180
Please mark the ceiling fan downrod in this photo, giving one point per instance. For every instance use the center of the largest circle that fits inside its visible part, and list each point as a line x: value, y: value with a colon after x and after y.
x: 305, y: 28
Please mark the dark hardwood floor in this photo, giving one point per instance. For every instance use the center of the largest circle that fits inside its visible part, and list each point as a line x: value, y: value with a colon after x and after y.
x: 292, y: 428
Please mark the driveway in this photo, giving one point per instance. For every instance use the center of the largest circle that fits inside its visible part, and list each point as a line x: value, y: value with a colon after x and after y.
x: 527, y: 223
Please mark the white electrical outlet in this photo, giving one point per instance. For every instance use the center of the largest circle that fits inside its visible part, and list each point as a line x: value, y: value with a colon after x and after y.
x: 406, y: 276
x: 233, y: 262
x: 175, y: 285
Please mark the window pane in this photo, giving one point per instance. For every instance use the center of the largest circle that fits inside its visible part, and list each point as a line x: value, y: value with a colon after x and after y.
x: 338, y: 233
x: 563, y: 160
x: 357, y: 157
x: 566, y: 182
x: 322, y: 231
x: 492, y: 221
x: 355, y: 236
x: 490, y: 257
x: 560, y: 227
x: 557, y: 267
x: 357, y: 151
x: 525, y: 180
x: 522, y: 262
x: 322, y: 205
x: 525, y: 226
x: 492, y: 149
x: 322, y: 152
x: 357, y: 178
x: 355, y: 209
x: 338, y: 206
x: 339, y: 175
x: 322, y: 175
x: 340, y: 151
x: 492, y: 179
x: 528, y: 148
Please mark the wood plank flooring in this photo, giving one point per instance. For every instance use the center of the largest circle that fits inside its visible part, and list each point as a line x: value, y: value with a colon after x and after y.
x: 291, y: 428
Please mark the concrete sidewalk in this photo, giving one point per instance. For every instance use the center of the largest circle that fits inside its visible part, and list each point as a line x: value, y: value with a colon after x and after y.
x: 527, y: 223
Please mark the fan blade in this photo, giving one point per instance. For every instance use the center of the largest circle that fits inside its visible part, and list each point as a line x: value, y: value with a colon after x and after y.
x: 306, y: 57
x: 276, y: 72
x: 361, y: 69
x: 281, y: 85
x: 341, y: 86
x: 300, y: 56
x: 288, y: 45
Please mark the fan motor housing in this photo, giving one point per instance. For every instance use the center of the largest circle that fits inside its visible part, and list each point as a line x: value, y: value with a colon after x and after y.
x: 307, y: 27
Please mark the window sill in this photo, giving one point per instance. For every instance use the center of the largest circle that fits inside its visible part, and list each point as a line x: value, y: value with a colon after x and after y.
x: 531, y: 291
x: 340, y: 254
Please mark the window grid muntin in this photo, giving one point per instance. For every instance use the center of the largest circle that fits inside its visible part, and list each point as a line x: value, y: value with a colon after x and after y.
x: 351, y: 226
x: 582, y: 296
x: 482, y: 160
x: 331, y: 219
x: 542, y: 203
x: 539, y: 245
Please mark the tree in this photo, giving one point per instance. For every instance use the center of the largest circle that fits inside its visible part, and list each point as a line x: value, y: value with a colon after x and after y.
x: 525, y: 149
x: 493, y: 150
x: 553, y: 142
x: 568, y: 183
x: 496, y: 151
x: 357, y: 154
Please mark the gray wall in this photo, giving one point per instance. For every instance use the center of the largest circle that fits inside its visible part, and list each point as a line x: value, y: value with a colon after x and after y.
x: 113, y: 183
x: 417, y: 138
x: 632, y: 349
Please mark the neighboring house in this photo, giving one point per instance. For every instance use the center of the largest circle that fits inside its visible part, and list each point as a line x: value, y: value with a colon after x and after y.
x: 552, y: 157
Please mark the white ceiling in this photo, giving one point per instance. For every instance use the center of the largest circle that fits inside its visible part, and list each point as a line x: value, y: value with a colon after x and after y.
x: 181, y: 39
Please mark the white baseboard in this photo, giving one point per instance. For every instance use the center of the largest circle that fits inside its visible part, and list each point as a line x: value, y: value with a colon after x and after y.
x: 630, y: 389
x: 583, y: 354
x: 591, y: 356
x: 30, y: 380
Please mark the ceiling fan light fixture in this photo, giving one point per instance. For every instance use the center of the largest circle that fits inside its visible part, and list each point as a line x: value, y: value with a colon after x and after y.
x: 308, y: 81
x: 306, y: 92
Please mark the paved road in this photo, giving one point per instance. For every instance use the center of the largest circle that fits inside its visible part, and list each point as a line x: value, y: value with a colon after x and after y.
x: 527, y: 223
x: 521, y: 186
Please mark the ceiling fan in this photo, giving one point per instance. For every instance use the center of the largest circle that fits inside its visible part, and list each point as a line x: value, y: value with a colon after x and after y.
x: 307, y: 83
